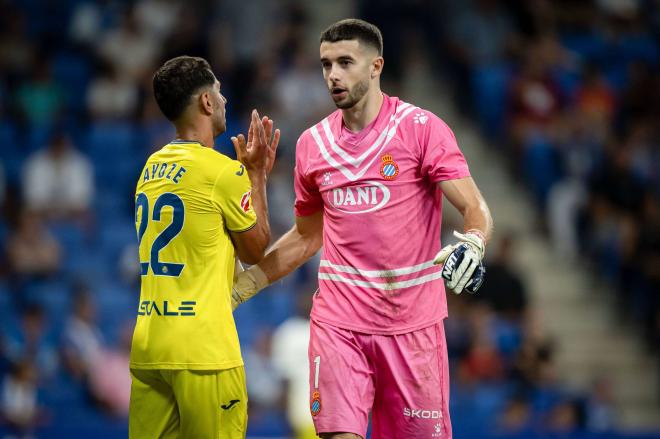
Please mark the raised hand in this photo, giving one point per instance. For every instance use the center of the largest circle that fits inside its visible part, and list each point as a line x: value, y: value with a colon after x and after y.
x: 274, y: 140
x: 258, y: 153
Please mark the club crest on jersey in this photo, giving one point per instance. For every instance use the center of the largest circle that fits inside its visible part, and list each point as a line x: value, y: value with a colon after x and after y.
x: 327, y: 179
x: 245, y: 201
x: 315, y: 405
x: 388, y: 169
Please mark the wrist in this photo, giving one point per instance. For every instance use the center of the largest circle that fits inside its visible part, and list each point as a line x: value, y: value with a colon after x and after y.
x: 257, y: 175
x: 258, y: 277
x: 474, y: 240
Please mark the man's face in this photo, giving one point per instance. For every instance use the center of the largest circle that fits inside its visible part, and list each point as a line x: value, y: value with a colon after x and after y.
x: 347, y: 70
x: 218, y: 101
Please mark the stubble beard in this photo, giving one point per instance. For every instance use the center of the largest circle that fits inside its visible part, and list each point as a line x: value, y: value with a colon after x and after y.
x: 354, y: 96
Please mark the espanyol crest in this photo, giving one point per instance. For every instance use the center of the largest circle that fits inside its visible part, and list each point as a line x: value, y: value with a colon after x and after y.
x: 388, y: 169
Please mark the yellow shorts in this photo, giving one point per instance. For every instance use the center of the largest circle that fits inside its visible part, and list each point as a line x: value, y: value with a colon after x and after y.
x: 188, y: 404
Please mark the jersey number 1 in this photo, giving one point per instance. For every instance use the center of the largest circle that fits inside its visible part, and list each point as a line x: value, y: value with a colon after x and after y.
x: 178, y: 214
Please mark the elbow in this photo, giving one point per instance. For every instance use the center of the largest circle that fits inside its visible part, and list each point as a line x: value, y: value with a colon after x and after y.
x: 252, y: 259
x: 255, y: 254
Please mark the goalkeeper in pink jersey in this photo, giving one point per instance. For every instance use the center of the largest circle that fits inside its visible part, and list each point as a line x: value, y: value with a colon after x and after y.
x: 369, y: 181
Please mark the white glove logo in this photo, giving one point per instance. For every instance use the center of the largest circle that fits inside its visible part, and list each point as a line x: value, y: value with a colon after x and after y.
x: 463, y: 269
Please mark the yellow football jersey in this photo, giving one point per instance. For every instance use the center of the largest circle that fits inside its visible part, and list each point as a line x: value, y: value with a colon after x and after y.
x: 187, y: 199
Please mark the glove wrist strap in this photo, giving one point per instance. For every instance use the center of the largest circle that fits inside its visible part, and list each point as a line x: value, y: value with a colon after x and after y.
x: 259, y: 277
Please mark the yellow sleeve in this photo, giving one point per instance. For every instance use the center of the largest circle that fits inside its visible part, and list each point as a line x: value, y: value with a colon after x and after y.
x: 232, y: 195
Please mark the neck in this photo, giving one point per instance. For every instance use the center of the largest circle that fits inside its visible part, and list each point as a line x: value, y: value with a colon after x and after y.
x: 196, y: 132
x: 364, y: 112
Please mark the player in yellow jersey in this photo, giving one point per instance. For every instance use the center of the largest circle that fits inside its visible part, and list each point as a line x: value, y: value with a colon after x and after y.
x: 195, y: 209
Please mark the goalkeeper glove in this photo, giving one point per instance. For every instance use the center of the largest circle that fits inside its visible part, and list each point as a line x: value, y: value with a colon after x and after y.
x: 247, y: 284
x: 463, y: 269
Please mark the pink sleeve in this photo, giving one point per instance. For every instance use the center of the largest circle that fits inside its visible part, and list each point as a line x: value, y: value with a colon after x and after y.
x: 308, y: 198
x: 441, y: 157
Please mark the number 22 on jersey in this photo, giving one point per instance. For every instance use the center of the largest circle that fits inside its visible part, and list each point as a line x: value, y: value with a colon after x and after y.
x: 142, y: 214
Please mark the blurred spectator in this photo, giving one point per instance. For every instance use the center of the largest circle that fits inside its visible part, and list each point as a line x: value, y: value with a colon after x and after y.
x: 481, y: 34
x: 532, y: 368
x: 32, y: 343
x: 600, y: 411
x: 566, y: 417
x: 2, y: 185
x: 265, y: 382
x: 18, y: 400
x: 17, y: 51
x: 290, y: 344
x: 82, y: 341
x: 58, y: 181
x: 129, y: 265
x: 111, y: 96
x: 594, y: 97
x: 644, y: 277
x: 31, y: 249
x: 40, y: 101
x: 535, y: 97
x: 109, y: 377
x: 505, y: 290
x: 129, y: 48
x: 516, y: 417
x: 158, y: 17
x: 641, y: 96
x: 103, y: 370
x: 483, y: 361
x: 300, y: 86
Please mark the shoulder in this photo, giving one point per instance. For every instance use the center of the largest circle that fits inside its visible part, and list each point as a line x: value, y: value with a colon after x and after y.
x: 216, y: 163
x: 311, y: 134
x: 425, y: 124
x: 417, y: 118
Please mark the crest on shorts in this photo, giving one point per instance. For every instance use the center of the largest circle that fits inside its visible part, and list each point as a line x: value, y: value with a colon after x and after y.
x: 315, y: 406
x: 388, y: 169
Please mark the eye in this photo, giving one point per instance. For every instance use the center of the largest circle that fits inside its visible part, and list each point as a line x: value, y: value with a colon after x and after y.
x: 326, y: 64
x: 344, y: 62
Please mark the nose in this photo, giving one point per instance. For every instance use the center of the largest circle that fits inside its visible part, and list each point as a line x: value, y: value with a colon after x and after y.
x: 333, y: 75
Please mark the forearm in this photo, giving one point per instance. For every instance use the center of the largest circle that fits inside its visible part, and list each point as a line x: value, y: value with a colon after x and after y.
x: 288, y: 253
x: 260, y: 206
x: 478, y: 217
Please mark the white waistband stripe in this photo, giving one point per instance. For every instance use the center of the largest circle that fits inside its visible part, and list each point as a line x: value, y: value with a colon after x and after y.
x: 385, y: 286
x: 377, y: 273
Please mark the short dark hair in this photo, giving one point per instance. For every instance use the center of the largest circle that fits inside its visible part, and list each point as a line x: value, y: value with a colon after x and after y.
x: 177, y: 81
x: 354, y: 29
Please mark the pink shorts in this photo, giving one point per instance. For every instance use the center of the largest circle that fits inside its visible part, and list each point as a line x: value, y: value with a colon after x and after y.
x: 403, y: 380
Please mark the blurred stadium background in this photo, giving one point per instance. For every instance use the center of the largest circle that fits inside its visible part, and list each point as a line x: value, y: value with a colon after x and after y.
x: 555, y: 103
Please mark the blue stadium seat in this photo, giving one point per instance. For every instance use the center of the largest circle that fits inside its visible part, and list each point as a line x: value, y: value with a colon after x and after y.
x: 73, y: 72
x: 114, y: 150
x: 54, y: 296
x: 542, y: 163
x: 490, y: 86
x: 6, y: 305
x: 116, y: 306
x: 638, y: 47
x: 590, y: 47
x: 107, y: 139
x: 68, y: 234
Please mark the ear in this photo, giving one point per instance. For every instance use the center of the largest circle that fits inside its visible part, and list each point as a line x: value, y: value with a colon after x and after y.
x: 205, y: 104
x: 377, y: 66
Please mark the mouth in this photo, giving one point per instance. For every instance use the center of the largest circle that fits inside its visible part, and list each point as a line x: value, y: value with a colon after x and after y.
x: 338, y: 92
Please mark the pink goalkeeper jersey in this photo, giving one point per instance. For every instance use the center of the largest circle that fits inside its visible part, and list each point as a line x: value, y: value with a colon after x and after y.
x: 382, y: 210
